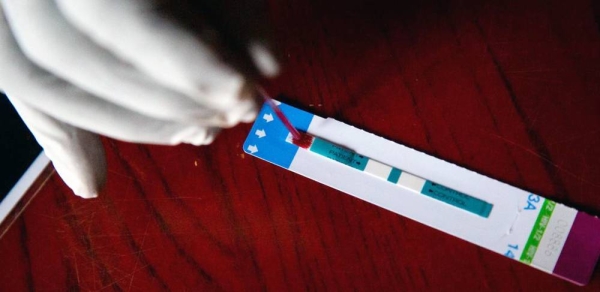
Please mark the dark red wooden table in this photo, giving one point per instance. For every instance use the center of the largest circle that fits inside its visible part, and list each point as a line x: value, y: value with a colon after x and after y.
x: 510, y: 89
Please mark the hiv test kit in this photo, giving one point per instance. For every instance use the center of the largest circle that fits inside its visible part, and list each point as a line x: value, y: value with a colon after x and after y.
x: 512, y: 222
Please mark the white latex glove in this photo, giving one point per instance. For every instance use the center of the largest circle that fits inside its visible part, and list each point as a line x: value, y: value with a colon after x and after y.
x: 74, y: 69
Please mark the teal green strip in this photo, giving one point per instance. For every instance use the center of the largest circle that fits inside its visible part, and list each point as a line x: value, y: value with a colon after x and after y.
x: 339, y: 154
x: 394, y: 175
x: 537, y: 232
x: 457, y: 199
x: 486, y: 209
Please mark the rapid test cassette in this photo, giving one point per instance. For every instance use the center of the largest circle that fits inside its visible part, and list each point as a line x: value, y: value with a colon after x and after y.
x: 512, y: 222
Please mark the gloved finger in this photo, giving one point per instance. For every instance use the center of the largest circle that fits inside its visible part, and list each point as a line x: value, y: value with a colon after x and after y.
x: 21, y: 78
x: 77, y: 155
x: 192, y: 63
x: 71, y: 105
x: 67, y: 103
x: 50, y: 41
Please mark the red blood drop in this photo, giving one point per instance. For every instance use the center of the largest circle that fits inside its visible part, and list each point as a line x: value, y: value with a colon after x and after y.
x: 304, y: 141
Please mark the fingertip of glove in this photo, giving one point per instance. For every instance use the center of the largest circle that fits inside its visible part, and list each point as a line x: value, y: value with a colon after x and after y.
x: 263, y: 59
x: 200, y: 136
x: 249, y: 116
x: 86, y: 194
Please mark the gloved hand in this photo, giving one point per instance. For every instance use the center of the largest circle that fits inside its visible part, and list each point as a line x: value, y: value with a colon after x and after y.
x: 74, y: 69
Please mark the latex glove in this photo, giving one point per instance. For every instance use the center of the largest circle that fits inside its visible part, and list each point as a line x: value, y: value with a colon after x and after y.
x: 74, y: 69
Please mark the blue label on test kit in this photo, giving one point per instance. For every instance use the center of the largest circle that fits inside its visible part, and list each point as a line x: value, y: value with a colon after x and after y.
x: 457, y: 199
x: 339, y: 154
x: 268, y: 134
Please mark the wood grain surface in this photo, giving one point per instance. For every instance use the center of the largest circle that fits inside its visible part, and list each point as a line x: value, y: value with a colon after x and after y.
x: 510, y: 89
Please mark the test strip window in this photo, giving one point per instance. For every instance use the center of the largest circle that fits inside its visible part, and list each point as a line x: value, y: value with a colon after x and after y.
x: 393, y: 175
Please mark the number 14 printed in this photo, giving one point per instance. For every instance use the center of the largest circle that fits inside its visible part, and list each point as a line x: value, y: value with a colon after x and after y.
x: 509, y: 253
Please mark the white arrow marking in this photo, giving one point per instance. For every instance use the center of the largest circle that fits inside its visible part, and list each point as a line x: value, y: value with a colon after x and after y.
x: 253, y: 149
x: 268, y: 117
x: 260, y: 133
